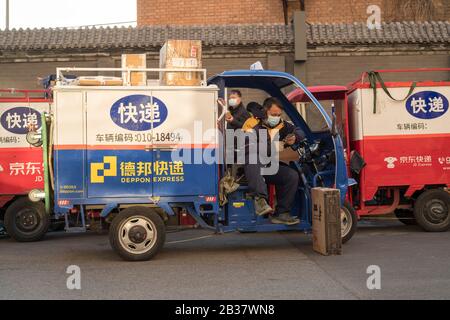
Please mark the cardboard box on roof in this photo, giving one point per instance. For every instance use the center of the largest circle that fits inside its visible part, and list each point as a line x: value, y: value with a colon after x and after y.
x: 135, y: 61
x: 98, y: 81
x: 181, y: 54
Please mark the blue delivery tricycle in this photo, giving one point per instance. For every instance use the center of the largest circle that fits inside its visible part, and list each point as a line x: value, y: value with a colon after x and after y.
x: 109, y: 153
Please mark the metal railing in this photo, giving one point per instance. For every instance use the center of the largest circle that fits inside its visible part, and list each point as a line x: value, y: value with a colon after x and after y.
x: 127, y: 82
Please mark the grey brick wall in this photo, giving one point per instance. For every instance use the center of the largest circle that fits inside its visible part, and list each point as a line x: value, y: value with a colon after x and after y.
x: 344, y: 70
x: 25, y: 75
x: 320, y: 70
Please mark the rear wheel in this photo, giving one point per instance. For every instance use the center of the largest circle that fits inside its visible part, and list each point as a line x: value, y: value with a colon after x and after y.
x: 405, y: 216
x: 349, y: 222
x: 431, y: 210
x: 26, y: 221
x: 137, y: 234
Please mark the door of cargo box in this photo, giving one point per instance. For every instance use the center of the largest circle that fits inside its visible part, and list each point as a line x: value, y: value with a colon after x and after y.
x: 69, y: 144
x: 185, y: 142
x: 119, y: 132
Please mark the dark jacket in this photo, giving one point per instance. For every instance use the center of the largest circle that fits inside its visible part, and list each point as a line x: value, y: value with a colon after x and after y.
x: 284, y: 129
x: 240, y: 115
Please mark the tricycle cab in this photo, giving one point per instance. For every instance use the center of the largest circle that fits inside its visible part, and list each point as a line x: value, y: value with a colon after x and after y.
x: 326, y: 169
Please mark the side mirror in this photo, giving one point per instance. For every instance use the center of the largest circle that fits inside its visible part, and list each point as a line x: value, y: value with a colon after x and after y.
x: 34, y: 138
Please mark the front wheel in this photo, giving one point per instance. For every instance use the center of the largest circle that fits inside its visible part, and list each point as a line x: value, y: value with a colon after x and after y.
x: 349, y: 222
x: 431, y: 210
x: 26, y: 221
x: 137, y: 234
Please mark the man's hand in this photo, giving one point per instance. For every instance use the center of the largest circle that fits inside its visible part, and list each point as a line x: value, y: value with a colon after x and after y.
x: 290, y: 139
x: 228, y: 117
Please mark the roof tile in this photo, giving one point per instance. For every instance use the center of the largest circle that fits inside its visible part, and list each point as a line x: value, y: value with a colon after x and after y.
x: 219, y: 35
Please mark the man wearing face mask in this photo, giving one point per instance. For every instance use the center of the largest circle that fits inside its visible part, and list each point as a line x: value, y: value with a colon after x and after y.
x: 237, y: 114
x: 286, y: 179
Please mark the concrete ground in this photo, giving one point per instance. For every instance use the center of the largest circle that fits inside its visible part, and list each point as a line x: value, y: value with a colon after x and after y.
x: 414, y: 265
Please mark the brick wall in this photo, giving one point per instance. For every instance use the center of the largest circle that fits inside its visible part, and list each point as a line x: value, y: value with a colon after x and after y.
x: 25, y: 75
x: 326, y: 11
x: 344, y: 70
x: 184, y: 12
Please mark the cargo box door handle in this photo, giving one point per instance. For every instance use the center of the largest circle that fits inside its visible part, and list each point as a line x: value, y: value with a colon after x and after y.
x: 167, y: 148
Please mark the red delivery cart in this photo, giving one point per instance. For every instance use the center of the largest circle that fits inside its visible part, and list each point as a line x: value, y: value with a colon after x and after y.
x: 397, y: 143
x: 21, y: 168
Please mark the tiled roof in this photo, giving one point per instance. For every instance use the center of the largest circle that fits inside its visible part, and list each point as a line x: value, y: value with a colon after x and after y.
x: 390, y: 33
x: 222, y: 35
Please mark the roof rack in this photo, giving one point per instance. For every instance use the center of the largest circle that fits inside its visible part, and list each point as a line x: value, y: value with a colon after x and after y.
x: 128, y: 71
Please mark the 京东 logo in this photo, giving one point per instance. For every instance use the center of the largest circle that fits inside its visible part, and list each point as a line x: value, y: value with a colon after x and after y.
x: 138, y: 112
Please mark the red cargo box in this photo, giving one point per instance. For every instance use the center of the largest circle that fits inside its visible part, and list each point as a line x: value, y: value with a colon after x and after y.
x: 21, y: 168
x: 405, y: 142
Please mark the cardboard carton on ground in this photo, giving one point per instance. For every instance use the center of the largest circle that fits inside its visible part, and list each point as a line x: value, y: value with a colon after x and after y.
x: 326, y: 221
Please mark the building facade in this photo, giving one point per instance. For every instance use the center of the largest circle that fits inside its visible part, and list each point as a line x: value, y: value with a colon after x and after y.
x: 200, y: 12
x: 328, y: 43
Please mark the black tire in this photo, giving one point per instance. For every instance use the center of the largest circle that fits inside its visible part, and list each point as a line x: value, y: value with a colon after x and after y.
x: 431, y: 210
x: 247, y: 231
x: 348, y: 215
x: 141, y: 221
x: 406, y: 217
x: 26, y: 221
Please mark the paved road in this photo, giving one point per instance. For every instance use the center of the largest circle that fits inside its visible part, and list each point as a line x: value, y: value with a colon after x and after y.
x: 414, y: 265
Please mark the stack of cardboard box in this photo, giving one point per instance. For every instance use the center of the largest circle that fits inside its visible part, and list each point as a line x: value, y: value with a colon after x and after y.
x: 175, y: 54
x: 134, y: 61
x: 181, y: 54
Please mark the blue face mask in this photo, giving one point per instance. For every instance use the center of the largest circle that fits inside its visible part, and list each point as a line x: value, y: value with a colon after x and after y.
x: 273, y: 120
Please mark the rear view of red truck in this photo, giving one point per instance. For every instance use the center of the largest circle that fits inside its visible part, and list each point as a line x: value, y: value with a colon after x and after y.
x: 21, y: 167
x: 397, y: 140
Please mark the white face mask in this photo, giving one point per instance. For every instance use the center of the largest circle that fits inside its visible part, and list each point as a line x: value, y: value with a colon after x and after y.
x: 233, y: 102
x: 273, y: 120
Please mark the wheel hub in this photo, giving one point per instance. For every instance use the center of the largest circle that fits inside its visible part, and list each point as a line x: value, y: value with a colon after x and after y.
x: 137, y: 234
x: 437, y: 210
x: 27, y: 220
